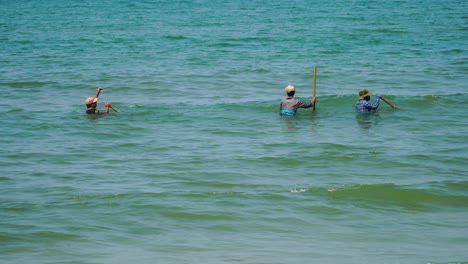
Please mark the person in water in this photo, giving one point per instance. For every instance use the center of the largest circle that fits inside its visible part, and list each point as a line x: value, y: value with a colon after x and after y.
x: 91, y: 104
x: 289, y: 105
x: 363, y: 105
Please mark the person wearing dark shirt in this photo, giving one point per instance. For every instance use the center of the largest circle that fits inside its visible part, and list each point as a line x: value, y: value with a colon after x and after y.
x: 363, y: 105
x: 91, y: 104
x: 289, y: 105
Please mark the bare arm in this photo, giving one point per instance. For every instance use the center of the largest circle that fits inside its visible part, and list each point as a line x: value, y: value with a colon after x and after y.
x: 301, y: 104
x: 107, y: 105
x: 99, y: 89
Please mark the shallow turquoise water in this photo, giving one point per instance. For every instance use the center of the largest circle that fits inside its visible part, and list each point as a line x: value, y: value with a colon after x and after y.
x: 199, y: 167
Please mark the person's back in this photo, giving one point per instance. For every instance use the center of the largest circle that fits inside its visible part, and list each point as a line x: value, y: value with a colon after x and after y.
x: 289, y: 105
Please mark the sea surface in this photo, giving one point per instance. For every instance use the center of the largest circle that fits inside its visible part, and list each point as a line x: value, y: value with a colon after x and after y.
x: 198, y: 166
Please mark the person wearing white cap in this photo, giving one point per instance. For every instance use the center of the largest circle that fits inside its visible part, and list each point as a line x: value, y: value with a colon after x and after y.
x: 91, y: 104
x: 363, y: 105
x: 289, y: 105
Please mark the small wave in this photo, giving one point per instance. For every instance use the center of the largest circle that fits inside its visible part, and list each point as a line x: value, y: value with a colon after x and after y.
x: 175, y: 37
x: 5, y: 238
x: 207, y: 215
x: 261, y: 70
x: 23, y: 41
x: 330, y: 52
x: 298, y: 190
x: 392, y: 31
x: 249, y: 39
x: 404, y: 196
x: 225, y: 45
x: 26, y: 84
x: 52, y: 235
x: 452, y: 51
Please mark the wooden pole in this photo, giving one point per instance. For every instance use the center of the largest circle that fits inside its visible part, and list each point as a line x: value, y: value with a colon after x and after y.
x: 314, y: 86
x: 114, y: 109
x: 390, y: 104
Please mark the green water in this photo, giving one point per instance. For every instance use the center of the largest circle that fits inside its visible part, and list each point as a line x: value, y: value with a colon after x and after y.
x: 199, y: 167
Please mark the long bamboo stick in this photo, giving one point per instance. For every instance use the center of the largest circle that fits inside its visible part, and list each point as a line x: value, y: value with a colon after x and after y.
x: 114, y: 109
x: 390, y: 104
x: 314, y: 86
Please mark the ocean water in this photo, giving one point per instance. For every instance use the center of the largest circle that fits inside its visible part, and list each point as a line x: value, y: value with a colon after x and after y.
x: 198, y: 167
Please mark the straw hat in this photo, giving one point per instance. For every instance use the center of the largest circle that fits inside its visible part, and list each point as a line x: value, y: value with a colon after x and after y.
x: 91, y: 100
x: 290, y: 88
x: 363, y: 93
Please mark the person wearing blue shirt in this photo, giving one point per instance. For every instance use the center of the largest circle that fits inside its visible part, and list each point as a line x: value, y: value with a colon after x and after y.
x: 363, y: 105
